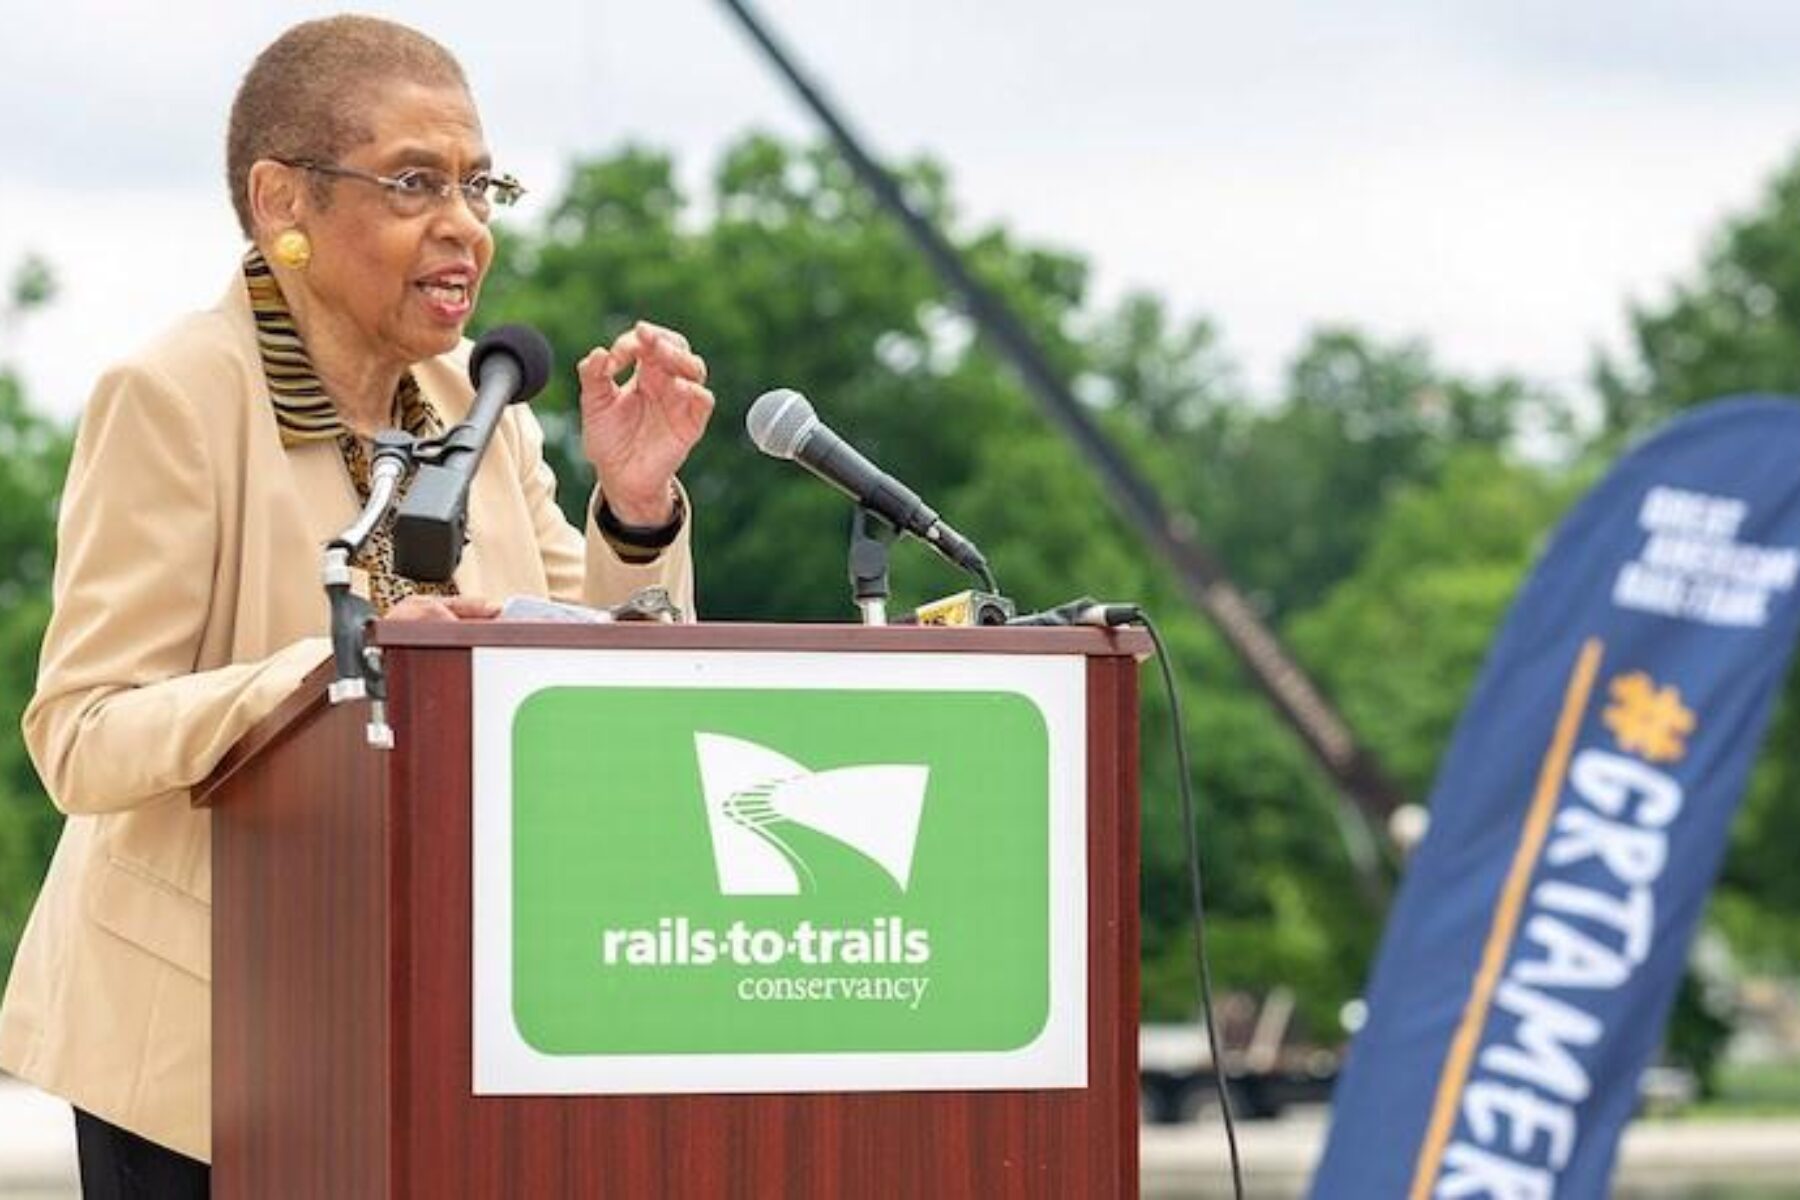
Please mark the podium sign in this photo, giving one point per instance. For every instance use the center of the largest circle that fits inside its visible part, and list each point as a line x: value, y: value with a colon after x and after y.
x: 778, y: 872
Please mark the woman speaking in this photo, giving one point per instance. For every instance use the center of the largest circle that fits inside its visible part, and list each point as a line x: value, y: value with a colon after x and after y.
x: 209, y: 471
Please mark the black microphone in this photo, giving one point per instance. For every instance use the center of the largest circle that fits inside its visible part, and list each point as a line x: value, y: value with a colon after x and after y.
x: 1084, y: 610
x: 783, y: 424
x: 509, y: 364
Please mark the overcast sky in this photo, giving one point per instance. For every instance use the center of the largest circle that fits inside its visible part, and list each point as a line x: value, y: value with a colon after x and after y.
x: 1499, y: 177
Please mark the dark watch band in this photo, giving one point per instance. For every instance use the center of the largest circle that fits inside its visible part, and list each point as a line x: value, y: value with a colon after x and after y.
x: 640, y: 538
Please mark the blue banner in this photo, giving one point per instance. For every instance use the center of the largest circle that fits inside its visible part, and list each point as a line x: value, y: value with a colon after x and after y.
x: 1577, y: 825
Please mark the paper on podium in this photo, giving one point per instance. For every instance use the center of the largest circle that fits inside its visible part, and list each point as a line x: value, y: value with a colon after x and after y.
x: 645, y: 604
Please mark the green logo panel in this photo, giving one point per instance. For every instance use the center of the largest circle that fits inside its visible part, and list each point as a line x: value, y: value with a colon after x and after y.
x: 779, y: 871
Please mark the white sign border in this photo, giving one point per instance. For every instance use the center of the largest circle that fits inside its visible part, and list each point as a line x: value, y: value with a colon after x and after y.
x: 505, y: 1064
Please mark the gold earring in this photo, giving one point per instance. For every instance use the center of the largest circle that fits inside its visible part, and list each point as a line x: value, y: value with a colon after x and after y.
x: 293, y: 249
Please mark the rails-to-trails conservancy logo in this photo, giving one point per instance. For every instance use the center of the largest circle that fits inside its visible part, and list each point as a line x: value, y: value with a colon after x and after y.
x: 740, y: 871
x: 779, y: 870
x: 752, y: 793
x: 760, y: 805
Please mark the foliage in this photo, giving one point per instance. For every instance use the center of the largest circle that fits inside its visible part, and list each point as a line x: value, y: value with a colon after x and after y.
x: 794, y: 281
x: 33, y: 458
x: 1289, y: 494
x: 33, y: 285
x: 1736, y: 328
x: 1765, y: 1089
x: 1401, y: 640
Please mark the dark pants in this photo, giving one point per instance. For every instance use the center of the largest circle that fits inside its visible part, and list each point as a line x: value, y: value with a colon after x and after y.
x: 117, y: 1164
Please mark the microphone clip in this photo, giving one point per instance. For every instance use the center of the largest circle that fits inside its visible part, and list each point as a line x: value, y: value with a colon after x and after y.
x: 870, y: 540
x: 461, y: 438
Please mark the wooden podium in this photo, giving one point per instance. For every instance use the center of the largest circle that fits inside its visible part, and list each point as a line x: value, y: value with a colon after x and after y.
x: 342, y: 963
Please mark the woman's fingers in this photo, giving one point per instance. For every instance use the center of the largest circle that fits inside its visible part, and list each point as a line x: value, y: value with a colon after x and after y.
x: 472, y: 608
x: 442, y: 608
x: 698, y: 400
x: 653, y: 347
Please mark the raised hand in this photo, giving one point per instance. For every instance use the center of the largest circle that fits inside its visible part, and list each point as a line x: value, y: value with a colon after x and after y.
x: 638, y: 434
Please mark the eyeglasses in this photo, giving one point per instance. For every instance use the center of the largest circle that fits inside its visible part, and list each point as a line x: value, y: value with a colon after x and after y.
x: 417, y: 190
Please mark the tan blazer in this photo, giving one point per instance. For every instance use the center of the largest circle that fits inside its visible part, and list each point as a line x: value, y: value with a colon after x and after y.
x: 187, y: 603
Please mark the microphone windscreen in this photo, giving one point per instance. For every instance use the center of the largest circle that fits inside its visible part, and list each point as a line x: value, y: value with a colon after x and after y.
x: 525, y: 346
x: 780, y: 421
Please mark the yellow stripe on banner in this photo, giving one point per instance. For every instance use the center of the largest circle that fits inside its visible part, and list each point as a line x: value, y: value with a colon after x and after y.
x: 1506, y: 919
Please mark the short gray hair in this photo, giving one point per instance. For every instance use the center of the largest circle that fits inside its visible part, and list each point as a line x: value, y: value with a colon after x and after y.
x: 302, y: 96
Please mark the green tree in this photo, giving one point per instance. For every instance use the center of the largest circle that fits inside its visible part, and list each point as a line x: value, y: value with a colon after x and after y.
x: 1291, y: 495
x: 1734, y: 328
x: 33, y: 459
x: 795, y: 280
x: 1401, y: 640
x: 1298, y: 497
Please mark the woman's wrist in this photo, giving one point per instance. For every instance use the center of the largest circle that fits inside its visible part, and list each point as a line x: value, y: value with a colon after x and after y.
x: 653, y: 511
x: 630, y: 533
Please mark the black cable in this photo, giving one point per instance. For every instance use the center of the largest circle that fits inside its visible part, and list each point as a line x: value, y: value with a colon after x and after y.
x: 1191, y: 830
